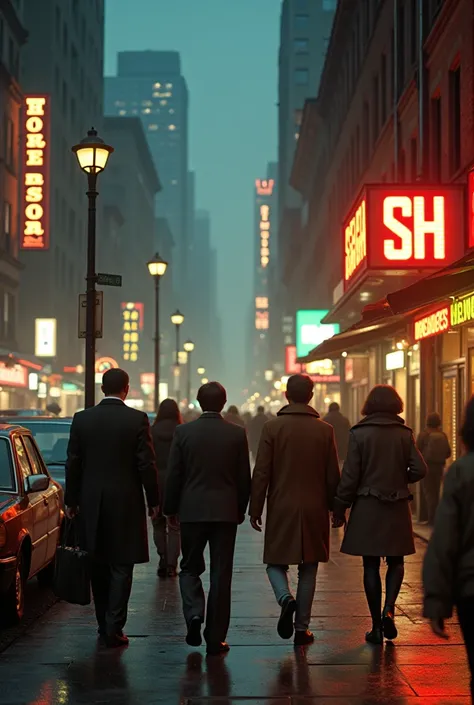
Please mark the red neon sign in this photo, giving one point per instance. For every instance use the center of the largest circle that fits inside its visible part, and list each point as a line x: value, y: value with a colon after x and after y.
x: 292, y: 367
x: 264, y: 187
x: 403, y: 228
x: 35, y: 195
x: 432, y: 324
x: 470, y: 212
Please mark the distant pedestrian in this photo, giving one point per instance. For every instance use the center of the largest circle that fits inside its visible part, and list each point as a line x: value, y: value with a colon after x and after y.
x: 207, y: 491
x: 297, y: 472
x: 434, y: 446
x: 341, y: 427
x: 382, y: 460
x: 110, y: 462
x: 167, y: 538
x: 448, y: 571
x: 255, y: 428
x: 233, y: 416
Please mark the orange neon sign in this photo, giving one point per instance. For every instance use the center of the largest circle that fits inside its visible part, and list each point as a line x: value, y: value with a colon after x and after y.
x: 35, y: 199
x: 264, y: 187
x: 264, y: 236
x: 355, y: 241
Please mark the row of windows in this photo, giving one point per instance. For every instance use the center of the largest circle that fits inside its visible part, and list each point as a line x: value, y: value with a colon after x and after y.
x: 9, y: 49
x: 7, y: 316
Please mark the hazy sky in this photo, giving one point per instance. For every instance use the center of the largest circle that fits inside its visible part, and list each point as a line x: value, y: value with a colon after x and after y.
x: 229, y: 56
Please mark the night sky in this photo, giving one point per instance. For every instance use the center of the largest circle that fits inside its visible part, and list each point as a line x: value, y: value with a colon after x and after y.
x: 229, y: 57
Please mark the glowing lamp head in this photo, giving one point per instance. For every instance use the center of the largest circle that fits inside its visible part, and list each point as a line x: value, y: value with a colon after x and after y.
x: 92, y: 153
x: 201, y: 370
x: 177, y: 318
x: 188, y: 346
x: 157, y: 266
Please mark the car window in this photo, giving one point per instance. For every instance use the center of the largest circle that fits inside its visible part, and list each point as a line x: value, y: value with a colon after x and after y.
x: 51, y: 438
x: 7, y: 479
x: 23, y: 461
x: 33, y: 455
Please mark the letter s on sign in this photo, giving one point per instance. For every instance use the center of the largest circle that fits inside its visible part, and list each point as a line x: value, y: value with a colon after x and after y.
x: 390, y: 249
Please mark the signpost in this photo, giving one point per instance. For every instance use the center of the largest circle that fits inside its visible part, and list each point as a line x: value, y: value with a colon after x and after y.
x: 99, y: 314
x: 109, y: 280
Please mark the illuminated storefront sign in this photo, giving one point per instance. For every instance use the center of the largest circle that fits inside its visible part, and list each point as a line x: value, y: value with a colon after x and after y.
x: 45, y: 337
x: 261, y: 320
x: 432, y: 324
x: 310, y: 332
x: 35, y: 198
x: 102, y: 364
x: 264, y: 187
x: 470, y: 214
x: 261, y: 302
x: 403, y: 228
x: 264, y: 236
x: 395, y: 360
x: 291, y: 366
x: 132, y: 325
x: 462, y: 310
x: 14, y: 376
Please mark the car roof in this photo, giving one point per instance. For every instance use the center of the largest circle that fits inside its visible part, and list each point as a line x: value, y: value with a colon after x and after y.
x: 7, y: 429
x: 8, y: 420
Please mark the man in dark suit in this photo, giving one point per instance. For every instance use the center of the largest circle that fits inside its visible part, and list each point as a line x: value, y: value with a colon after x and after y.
x: 110, y: 462
x: 208, y: 489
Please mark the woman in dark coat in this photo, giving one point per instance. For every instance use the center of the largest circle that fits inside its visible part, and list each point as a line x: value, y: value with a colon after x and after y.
x: 382, y: 460
x: 166, y: 538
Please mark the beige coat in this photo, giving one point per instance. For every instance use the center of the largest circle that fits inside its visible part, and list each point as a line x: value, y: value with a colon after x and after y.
x: 297, y: 471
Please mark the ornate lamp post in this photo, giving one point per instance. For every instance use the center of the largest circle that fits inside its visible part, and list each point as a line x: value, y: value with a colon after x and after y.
x: 157, y: 268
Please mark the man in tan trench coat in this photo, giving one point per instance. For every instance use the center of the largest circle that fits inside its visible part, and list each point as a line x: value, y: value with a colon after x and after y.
x: 297, y: 470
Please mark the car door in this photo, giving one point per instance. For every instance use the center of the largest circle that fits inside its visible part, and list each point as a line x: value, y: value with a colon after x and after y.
x: 38, y: 512
x: 50, y: 497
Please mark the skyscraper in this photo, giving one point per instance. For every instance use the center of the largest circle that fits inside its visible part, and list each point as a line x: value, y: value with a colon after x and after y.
x: 150, y: 85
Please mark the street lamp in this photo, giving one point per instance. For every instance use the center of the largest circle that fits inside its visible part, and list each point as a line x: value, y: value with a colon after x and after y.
x: 157, y: 268
x: 189, y: 347
x: 201, y: 370
x: 92, y: 154
x: 177, y: 319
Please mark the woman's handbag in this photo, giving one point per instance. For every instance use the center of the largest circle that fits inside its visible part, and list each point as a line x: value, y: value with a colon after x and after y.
x: 72, y: 581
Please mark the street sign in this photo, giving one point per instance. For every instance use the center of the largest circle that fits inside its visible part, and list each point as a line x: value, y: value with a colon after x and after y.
x: 109, y: 279
x: 99, y: 314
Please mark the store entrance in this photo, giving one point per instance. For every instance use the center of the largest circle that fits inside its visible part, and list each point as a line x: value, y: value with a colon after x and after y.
x: 453, y: 396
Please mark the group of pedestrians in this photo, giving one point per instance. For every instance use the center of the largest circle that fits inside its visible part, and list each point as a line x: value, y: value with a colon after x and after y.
x: 198, y: 485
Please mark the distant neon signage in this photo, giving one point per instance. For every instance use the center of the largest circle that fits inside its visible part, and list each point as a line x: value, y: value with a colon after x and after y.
x: 432, y: 324
x: 470, y: 196
x: 462, y: 310
x: 403, y: 228
x: 16, y: 376
x: 261, y: 302
x: 310, y: 332
x: 102, y: 364
x: 264, y: 236
x: 35, y: 197
x: 132, y: 325
x: 262, y: 320
x: 292, y: 367
x: 264, y: 187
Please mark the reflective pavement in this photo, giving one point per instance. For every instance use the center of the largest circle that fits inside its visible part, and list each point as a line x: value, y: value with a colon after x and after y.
x: 58, y: 661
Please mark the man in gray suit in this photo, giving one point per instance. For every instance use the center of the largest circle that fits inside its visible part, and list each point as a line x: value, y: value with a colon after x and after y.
x: 207, y: 492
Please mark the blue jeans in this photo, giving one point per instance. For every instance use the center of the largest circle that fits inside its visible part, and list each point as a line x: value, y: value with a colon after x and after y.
x: 278, y: 576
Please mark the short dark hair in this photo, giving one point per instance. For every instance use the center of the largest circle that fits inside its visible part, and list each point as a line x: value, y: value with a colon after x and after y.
x: 467, y: 430
x: 212, y: 397
x: 334, y: 406
x: 233, y: 410
x: 114, y: 381
x: 299, y: 389
x: 261, y: 409
x: 169, y: 411
x: 383, y: 399
x: 433, y: 420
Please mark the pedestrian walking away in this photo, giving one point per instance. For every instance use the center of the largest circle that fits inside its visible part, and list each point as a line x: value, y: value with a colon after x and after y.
x: 207, y: 490
x: 233, y: 416
x: 382, y: 460
x: 434, y: 446
x: 297, y: 472
x: 255, y: 428
x: 341, y: 427
x: 166, y: 537
x: 110, y: 462
x: 448, y: 570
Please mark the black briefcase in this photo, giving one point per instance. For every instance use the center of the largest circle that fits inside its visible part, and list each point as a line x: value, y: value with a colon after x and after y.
x: 72, y: 582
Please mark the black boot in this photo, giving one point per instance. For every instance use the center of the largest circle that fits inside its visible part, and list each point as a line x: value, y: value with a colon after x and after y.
x: 373, y: 592
x: 393, y: 584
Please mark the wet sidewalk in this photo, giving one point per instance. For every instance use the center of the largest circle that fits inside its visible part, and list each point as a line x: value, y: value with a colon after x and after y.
x: 58, y: 662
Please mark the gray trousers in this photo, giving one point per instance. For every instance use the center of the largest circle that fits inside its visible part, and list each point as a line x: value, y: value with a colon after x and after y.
x: 221, y: 538
x: 111, y: 588
x: 278, y: 576
x: 167, y: 541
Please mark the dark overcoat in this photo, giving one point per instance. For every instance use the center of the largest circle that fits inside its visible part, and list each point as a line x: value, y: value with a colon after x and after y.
x: 110, y: 462
x: 162, y: 433
x: 382, y: 460
x: 297, y: 472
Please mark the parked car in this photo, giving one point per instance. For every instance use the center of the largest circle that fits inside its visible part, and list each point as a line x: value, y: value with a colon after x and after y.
x: 52, y: 436
x: 24, y: 412
x: 31, y: 518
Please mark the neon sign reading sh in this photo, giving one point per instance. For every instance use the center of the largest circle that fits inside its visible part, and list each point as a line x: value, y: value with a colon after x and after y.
x: 35, y: 206
x: 411, y: 241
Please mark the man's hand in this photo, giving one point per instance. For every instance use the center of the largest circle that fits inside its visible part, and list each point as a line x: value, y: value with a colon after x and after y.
x: 438, y: 628
x: 71, y: 512
x: 337, y: 522
x: 256, y: 523
x: 154, y: 513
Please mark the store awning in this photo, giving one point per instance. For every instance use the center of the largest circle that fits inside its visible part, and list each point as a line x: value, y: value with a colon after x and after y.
x: 455, y: 280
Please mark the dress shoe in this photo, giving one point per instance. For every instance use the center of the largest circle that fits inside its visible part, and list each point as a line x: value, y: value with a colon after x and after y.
x: 115, y: 641
x: 285, y: 623
x: 216, y: 649
x: 304, y: 638
x: 390, y: 631
x: 193, y: 637
x: 375, y: 636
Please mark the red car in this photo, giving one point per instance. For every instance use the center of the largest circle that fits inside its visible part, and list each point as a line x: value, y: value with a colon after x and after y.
x: 31, y: 517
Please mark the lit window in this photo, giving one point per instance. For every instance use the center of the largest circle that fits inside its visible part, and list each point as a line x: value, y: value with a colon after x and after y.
x: 147, y: 103
x: 157, y: 85
x: 153, y: 127
x: 156, y: 94
x: 120, y: 103
x: 172, y: 128
x: 163, y: 102
x: 146, y: 111
x: 169, y: 85
x: 122, y: 112
x: 174, y: 182
x: 172, y: 111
